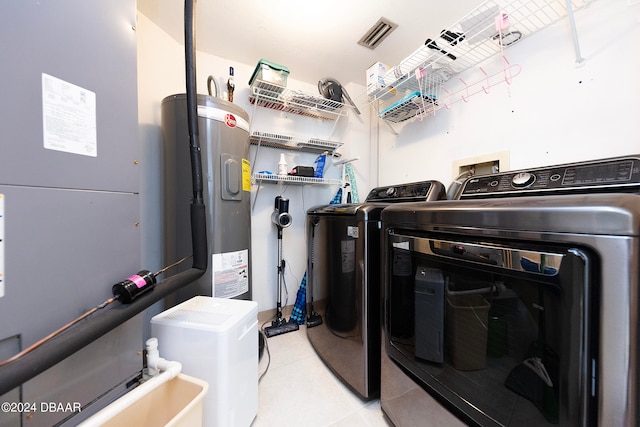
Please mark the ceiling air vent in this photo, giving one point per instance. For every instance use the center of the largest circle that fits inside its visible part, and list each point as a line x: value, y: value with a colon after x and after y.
x: 378, y: 32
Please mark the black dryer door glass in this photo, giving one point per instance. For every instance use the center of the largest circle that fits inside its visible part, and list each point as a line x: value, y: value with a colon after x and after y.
x: 500, y: 333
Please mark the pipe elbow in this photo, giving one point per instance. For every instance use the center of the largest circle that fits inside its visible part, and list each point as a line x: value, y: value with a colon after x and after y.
x: 170, y: 366
x: 155, y: 363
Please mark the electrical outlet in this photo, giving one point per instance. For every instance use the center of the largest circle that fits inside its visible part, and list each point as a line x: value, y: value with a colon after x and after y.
x: 481, y: 165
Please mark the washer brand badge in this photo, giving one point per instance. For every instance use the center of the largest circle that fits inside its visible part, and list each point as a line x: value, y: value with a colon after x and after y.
x: 230, y: 120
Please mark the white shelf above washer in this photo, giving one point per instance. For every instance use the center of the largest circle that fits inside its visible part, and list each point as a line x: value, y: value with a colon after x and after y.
x: 312, y: 145
x: 292, y: 101
x: 291, y: 179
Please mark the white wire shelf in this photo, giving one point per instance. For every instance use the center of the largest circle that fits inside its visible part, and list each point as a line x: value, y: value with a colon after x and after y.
x: 274, y: 140
x: 292, y: 179
x: 481, y: 34
x: 292, y: 101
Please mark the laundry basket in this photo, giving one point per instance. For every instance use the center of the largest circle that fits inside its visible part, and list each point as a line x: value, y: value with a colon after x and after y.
x: 467, y: 320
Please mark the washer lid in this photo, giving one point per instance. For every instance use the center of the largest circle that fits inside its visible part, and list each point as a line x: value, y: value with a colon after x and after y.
x: 411, y: 192
x: 364, y: 211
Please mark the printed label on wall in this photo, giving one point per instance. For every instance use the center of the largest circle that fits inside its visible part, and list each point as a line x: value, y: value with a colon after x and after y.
x: 246, y: 175
x: 68, y: 117
x: 230, y: 276
x: 2, y: 245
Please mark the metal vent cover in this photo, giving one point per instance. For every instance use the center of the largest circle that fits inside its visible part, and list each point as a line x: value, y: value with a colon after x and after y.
x: 377, y: 33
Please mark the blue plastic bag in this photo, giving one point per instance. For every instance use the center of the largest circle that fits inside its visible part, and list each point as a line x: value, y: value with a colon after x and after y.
x: 318, y: 170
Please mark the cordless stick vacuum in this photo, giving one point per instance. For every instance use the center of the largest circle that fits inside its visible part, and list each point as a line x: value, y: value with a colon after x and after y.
x: 282, y: 219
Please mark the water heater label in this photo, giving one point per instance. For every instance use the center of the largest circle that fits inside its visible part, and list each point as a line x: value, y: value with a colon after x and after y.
x: 2, y: 245
x: 68, y: 117
x: 230, y: 120
x: 246, y: 175
x: 230, y: 276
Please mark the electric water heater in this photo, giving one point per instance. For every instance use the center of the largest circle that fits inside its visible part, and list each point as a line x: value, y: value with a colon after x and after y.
x: 224, y: 141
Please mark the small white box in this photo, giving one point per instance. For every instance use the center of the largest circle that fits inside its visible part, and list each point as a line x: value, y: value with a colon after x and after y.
x: 375, y: 77
x: 216, y: 340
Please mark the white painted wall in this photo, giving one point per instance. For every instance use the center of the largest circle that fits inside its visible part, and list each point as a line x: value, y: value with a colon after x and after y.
x: 553, y: 112
x: 301, y: 198
x: 161, y: 73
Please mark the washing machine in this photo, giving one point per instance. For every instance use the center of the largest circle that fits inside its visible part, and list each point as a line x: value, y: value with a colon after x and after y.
x: 517, y: 304
x: 343, y: 282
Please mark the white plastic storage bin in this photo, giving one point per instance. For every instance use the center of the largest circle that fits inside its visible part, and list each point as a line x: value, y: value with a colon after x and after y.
x: 215, y: 339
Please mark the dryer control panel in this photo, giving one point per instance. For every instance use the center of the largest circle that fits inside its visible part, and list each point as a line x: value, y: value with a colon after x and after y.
x: 621, y: 174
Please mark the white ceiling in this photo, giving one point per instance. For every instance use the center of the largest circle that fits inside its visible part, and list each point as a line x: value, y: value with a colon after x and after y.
x: 314, y: 39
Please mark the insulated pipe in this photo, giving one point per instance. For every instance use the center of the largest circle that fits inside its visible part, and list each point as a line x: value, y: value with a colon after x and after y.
x: 192, y: 107
x: 67, y: 343
x: 74, y: 339
x: 198, y: 215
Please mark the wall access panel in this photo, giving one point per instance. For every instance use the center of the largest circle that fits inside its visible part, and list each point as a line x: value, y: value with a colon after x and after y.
x: 62, y: 57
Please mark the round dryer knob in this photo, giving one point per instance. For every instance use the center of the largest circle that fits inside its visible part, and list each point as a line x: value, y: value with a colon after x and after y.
x: 391, y: 191
x: 523, y: 179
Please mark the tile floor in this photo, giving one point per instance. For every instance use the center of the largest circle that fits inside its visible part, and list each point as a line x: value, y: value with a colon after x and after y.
x: 299, y: 390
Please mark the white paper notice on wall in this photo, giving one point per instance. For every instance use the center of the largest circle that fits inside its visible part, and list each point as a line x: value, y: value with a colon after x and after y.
x: 2, y: 277
x: 230, y: 276
x: 68, y: 117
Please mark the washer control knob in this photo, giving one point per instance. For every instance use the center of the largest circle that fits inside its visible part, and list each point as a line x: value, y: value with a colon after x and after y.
x: 523, y: 179
x: 391, y: 191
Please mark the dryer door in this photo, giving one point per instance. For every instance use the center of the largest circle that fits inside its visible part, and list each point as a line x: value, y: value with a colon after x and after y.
x: 500, y: 332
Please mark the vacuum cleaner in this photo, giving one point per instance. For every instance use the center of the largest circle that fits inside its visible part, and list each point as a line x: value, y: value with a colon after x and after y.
x: 282, y: 219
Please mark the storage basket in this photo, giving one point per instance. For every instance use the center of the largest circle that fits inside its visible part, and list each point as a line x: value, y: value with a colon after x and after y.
x: 269, y: 76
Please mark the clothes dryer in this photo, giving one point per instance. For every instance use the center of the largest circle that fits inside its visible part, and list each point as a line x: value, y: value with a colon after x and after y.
x: 517, y: 304
x: 343, y: 282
